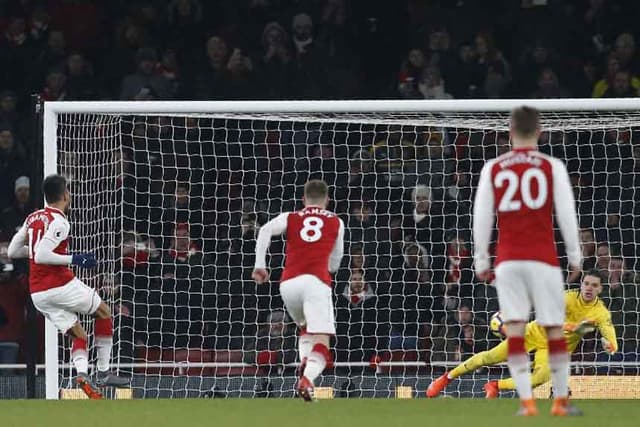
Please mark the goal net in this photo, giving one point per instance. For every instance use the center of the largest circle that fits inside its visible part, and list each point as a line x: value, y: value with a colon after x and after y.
x: 170, y: 197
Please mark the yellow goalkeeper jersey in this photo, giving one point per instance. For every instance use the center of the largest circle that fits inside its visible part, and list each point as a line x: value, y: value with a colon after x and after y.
x: 577, y: 311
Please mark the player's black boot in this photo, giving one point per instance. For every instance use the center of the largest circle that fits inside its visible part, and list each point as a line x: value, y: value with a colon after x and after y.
x: 107, y: 379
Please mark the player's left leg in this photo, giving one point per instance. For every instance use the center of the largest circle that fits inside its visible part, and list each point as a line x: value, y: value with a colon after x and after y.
x: 513, y: 286
x: 82, y: 299
x: 318, y: 312
x: 485, y: 358
x: 549, y: 303
x: 104, y: 343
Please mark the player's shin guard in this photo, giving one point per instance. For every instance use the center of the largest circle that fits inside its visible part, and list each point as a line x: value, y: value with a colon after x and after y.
x: 559, y: 364
x: 104, y: 342
x: 79, y: 355
x: 518, y: 362
x: 318, y: 359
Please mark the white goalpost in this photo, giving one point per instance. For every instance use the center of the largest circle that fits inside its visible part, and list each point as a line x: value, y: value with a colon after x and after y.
x: 169, y: 195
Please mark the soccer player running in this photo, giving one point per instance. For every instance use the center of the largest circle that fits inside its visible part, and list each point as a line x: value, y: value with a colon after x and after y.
x: 521, y: 189
x: 55, y: 290
x: 585, y: 312
x: 314, y: 250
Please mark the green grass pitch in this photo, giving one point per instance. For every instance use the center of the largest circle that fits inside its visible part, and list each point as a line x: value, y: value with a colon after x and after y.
x: 290, y: 412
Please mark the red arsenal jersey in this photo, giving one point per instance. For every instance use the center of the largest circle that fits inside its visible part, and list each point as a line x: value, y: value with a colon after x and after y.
x: 48, y: 223
x: 524, y: 188
x: 312, y: 234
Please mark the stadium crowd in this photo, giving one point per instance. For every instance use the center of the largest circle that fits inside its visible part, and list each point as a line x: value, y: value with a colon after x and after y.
x: 192, y: 207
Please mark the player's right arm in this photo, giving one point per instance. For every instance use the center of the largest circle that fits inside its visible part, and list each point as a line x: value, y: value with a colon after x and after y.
x: 565, y: 209
x: 57, y: 232
x: 19, y: 247
x: 483, y: 220
x: 275, y: 227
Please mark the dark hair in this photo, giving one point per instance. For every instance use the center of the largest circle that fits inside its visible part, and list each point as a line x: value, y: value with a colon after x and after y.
x: 525, y: 121
x: 54, y: 187
x: 593, y: 272
x: 316, y: 190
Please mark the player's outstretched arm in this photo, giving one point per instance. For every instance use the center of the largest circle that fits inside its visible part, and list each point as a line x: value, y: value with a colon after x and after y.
x: 18, y: 247
x: 483, y: 220
x: 276, y: 226
x: 565, y: 208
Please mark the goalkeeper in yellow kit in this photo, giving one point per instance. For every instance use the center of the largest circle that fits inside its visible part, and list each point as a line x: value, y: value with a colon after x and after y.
x: 585, y: 312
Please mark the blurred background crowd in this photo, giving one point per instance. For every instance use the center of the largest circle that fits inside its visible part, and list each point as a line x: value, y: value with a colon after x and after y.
x: 192, y: 208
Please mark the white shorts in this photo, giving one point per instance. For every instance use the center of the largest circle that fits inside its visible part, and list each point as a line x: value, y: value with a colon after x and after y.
x: 309, y: 302
x: 60, y: 305
x: 523, y: 284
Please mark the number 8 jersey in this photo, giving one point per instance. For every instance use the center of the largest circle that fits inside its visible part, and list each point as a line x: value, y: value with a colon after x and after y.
x: 314, y: 243
x: 521, y: 189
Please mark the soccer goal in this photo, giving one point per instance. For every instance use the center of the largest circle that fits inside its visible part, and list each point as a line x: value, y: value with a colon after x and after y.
x: 170, y: 195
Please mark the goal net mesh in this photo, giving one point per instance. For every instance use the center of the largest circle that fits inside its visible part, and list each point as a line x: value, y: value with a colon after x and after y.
x: 171, y: 205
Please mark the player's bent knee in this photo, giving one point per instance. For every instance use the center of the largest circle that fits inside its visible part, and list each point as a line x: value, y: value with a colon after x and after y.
x: 103, y: 311
x: 77, y: 331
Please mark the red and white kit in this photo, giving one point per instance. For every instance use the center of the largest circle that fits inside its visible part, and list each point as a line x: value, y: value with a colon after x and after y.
x: 314, y: 249
x: 520, y: 190
x: 55, y: 290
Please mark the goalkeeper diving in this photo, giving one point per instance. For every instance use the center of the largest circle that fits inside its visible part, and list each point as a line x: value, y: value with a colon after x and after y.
x: 585, y: 312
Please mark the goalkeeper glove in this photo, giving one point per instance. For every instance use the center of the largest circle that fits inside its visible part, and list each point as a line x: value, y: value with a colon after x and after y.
x: 582, y: 328
x: 84, y: 260
x: 608, y: 347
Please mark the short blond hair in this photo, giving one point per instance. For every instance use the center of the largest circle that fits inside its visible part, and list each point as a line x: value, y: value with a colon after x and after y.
x: 316, y: 190
x: 525, y: 121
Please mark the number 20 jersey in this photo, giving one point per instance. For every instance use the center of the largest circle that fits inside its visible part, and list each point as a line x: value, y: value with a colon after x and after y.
x: 526, y: 186
x: 311, y: 236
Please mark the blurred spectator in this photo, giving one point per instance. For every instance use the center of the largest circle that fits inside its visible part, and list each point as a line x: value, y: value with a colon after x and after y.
x: 621, y: 86
x: 625, y: 53
x: 53, y: 55
x: 588, y: 245
x: 12, y: 217
x: 8, y: 114
x: 493, y: 65
x: 431, y: 85
x: 12, y: 162
x: 603, y: 257
x: 13, y: 300
x: 274, y: 344
x: 136, y: 250
x: 169, y: 69
x: 549, y: 86
x: 145, y: 83
x: 466, y: 78
x: 459, y: 277
x: 276, y: 63
x: 604, y: 86
x: 55, y: 86
x: 357, y: 315
x: 411, y: 73
x: 185, y: 22
x: 225, y: 75
x: 80, y: 84
x: 310, y: 76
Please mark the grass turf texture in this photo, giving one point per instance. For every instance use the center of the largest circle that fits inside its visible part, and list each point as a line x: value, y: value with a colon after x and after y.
x: 290, y: 412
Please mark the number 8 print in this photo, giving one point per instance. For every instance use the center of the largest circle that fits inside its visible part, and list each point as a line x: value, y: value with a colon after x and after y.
x: 312, y: 230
